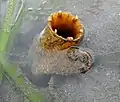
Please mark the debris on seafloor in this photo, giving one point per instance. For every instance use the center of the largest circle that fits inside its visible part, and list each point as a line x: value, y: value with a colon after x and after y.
x: 56, y: 51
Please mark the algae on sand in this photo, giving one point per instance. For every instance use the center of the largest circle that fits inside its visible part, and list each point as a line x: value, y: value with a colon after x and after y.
x: 7, y: 70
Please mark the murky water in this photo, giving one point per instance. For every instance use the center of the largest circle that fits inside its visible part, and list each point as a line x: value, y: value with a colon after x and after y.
x: 101, y: 19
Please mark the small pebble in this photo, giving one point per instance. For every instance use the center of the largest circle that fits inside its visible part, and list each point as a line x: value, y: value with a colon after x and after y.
x: 39, y: 9
x: 88, y: 39
x: 44, y: 2
x: 30, y: 9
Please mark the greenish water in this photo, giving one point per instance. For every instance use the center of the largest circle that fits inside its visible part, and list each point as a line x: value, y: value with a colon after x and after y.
x: 101, y: 19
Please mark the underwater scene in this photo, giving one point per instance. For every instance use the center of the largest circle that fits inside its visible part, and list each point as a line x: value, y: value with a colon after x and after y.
x: 59, y: 50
